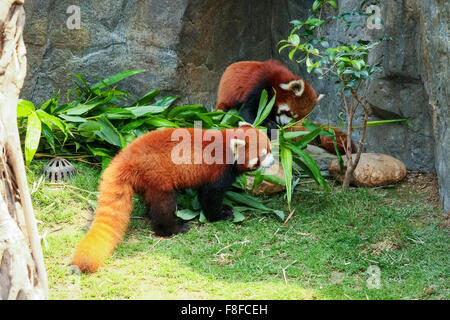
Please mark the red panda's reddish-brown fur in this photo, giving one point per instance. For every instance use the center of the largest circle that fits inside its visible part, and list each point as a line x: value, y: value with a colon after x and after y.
x: 146, y: 167
x: 240, y: 79
x: 327, y: 142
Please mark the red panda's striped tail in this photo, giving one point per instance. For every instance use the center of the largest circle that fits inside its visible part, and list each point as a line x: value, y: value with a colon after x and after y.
x: 111, y: 220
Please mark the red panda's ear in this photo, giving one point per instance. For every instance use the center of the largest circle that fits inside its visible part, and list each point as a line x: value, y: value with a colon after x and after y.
x: 244, y: 124
x: 320, y: 97
x: 296, y: 86
x: 235, y: 144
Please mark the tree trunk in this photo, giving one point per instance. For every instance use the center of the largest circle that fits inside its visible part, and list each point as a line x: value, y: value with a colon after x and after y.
x: 22, y: 271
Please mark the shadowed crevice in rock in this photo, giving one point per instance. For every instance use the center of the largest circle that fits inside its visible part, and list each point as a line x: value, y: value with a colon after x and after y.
x: 216, y: 33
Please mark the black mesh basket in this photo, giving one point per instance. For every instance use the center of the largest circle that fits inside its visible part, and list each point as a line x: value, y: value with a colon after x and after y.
x: 58, y: 169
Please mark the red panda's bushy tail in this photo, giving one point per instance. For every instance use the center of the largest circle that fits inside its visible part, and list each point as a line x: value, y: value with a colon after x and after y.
x: 112, y: 216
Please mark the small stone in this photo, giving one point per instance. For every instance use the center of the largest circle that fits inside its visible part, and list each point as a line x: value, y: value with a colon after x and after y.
x: 267, y: 187
x: 374, y: 169
x: 320, y: 155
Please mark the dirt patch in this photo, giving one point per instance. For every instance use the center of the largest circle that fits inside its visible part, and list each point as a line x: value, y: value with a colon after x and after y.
x: 379, y: 248
x: 223, y: 258
x: 384, y: 246
x: 425, y: 183
x: 446, y: 222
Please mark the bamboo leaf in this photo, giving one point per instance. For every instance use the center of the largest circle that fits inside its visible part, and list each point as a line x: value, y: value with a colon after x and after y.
x: 237, y: 213
x: 286, y: 162
x: 289, y: 135
x: 257, y: 180
x: 118, y: 113
x: 202, y: 218
x: 333, y: 4
x: 186, y: 110
x: 231, y: 118
x: 90, y: 126
x: 115, y: 78
x: 105, y: 162
x: 72, y: 118
x: 381, y: 122
x: 161, y: 123
x: 274, y: 179
x: 142, y: 111
x: 32, y: 137
x: 24, y: 108
x: 48, y: 134
x: 166, y: 101
x: 52, y: 121
x: 336, y: 150
x: 311, y: 164
x: 147, y: 98
x: 187, y: 214
x: 84, y: 87
x: 316, y: 4
x: 102, y: 152
x: 264, y: 108
x: 110, y: 133
x: 132, y: 125
x: 302, y: 143
x: 80, y: 109
x: 250, y: 201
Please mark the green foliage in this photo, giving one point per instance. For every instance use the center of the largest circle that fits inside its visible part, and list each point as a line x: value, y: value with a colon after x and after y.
x: 328, y: 244
x: 290, y: 151
x: 264, y: 108
x: 98, y: 120
x: 293, y: 152
x: 346, y: 63
x: 38, y: 122
x: 101, y: 120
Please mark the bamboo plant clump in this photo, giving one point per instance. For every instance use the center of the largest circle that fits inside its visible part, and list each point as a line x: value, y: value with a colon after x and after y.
x: 347, y: 64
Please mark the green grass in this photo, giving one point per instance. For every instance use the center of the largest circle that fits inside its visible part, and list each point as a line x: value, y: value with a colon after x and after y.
x: 323, y: 252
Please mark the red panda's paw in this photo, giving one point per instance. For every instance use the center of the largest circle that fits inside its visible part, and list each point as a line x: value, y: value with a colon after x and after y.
x: 227, y: 213
x: 167, y: 232
x: 184, y: 227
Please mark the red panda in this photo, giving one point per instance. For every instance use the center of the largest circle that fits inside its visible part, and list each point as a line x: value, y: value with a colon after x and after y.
x: 154, y: 167
x: 242, y: 84
x: 327, y: 142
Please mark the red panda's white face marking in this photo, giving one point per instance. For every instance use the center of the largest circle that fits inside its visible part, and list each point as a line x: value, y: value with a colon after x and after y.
x: 283, y: 107
x: 253, y: 163
x: 251, y: 148
x: 320, y: 97
x: 283, y: 119
x: 268, y: 161
x: 284, y: 114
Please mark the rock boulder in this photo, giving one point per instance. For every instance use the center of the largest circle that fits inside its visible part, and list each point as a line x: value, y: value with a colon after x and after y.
x: 373, y: 170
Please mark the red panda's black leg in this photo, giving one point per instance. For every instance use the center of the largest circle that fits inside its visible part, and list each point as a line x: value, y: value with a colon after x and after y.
x: 161, y: 208
x: 211, y: 196
x: 251, y: 106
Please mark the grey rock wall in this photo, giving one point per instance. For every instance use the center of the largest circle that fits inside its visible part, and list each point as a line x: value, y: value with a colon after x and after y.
x: 186, y: 45
x: 414, y: 84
